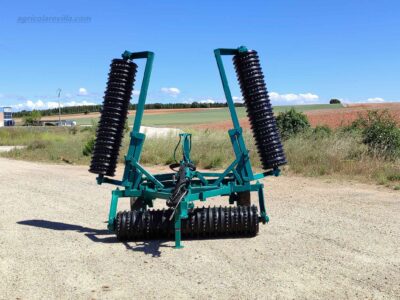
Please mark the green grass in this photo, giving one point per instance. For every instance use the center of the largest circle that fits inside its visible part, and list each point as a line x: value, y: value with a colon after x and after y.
x: 189, y: 118
x: 48, y: 144
x: 86, y: 121
x: 340, y: 155
x: 206, y: 116
x: 12, y: 136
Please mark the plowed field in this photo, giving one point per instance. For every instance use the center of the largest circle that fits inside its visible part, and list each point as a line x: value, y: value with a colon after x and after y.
x: 330, y: 117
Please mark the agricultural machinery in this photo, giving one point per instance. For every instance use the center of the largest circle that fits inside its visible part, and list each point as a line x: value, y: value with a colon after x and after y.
x: 185, y: 184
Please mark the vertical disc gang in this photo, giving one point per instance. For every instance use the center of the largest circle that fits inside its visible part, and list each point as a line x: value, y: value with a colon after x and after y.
x: 259, y: 109
x: 113, y: 117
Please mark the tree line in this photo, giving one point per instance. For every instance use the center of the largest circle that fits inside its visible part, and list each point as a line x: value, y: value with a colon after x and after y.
x: 97, y: 108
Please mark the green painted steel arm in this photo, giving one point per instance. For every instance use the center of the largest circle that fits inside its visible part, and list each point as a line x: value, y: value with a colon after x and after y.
x: 225, y: 85
x: 132, y: 173
x: 239, y: 146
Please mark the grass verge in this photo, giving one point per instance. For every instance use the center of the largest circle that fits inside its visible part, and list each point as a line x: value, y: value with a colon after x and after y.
x: 339, y: 154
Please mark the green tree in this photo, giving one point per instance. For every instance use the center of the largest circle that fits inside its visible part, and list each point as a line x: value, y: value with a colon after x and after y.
x: 88, y: 147
x: 334, y: 101
x: 292, y: 122
x: 33, y: 118
x: 380, y: 133
x: 195, y: 105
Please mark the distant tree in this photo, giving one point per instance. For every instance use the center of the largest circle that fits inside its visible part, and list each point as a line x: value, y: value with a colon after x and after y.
x: 33, y: 118
x: 132, y: 106
x: 195, y: 105
x: 334, y: 101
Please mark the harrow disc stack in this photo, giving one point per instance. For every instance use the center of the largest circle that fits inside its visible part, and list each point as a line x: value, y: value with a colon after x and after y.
x: 259, y: 109
x: 113, y: 117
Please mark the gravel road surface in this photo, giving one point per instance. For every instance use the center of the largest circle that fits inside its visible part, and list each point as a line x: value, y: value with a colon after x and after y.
x: 326, y: 240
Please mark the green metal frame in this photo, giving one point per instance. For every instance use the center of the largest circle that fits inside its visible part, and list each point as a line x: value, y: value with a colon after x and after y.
x: 138, y: 182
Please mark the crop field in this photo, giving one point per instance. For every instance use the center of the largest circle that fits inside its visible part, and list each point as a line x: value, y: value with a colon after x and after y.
x: 213, y: 116
x: 196, y: 116
x: 332, y: 115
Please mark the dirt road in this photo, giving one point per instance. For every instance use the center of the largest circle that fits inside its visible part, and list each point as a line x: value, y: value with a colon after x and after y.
x: 326, y: 240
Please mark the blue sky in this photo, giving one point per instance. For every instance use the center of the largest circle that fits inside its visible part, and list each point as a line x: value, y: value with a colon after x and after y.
x: 310, y: 51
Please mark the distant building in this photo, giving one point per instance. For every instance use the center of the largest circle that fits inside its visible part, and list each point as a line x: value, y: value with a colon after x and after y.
x: 6, y: 117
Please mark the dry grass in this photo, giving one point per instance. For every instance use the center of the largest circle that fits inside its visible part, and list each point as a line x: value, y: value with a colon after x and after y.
x: 46, y: 144
x: 340, y: 154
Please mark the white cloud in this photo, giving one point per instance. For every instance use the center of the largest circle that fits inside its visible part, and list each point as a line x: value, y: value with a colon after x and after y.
x: 211, y: 101
x: 34, y: 105
x: 82, y: 92
x: 135, y: 93
x: 53, y: 104
x: 375, y: 100
x: 39, y: 104
x: 237, y: 99
x: 307, y: 98
x: 173, y: 91
x: 75, y: 103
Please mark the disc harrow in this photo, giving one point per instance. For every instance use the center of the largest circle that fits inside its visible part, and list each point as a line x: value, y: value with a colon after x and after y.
x: 186, y: 184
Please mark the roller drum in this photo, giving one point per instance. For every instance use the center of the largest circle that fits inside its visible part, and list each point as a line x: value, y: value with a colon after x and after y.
x: 113, y: 117
x: 211, y: 222
x: 259, y: 109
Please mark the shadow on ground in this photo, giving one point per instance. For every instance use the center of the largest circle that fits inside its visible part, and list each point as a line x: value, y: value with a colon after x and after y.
x: 100, y: 236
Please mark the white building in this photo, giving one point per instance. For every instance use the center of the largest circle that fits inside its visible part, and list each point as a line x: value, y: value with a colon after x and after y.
x: 6, y: 117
